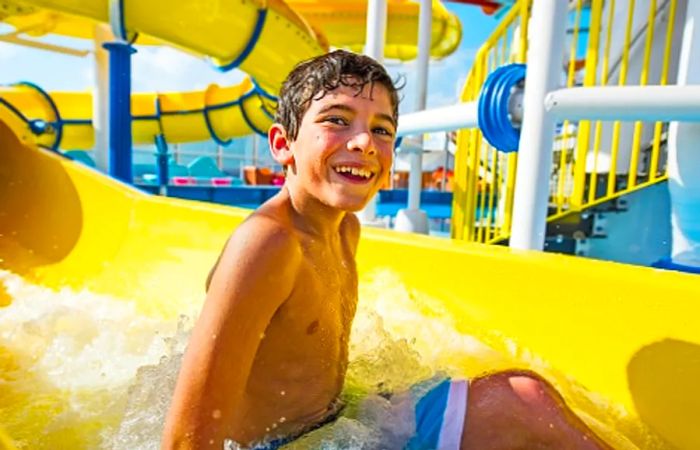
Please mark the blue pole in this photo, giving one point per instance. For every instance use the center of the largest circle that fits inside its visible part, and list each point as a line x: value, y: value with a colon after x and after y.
x: 162, y: 164
x: 120, y: 151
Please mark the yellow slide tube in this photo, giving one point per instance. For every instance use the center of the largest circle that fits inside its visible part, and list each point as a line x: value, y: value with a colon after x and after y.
x: 231, y: 112
x: 222, y: 32
x: 620, y: 342
x: 340, y: 22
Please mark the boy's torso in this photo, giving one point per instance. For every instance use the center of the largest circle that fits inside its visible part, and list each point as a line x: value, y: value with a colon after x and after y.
x: 300, y: 365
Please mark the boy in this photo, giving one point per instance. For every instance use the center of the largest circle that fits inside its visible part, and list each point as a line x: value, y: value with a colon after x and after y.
x: 267, y: 358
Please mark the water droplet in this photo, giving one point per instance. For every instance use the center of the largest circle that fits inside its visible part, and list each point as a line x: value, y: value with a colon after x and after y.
x: 274, y: 425
x: 262, y: 335
x: 283, y: 419
x: 283, y: 393
x: 213, y: 336
x: 216, y: 414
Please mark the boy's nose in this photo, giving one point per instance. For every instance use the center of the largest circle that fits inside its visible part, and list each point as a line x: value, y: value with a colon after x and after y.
x: 362, y: 142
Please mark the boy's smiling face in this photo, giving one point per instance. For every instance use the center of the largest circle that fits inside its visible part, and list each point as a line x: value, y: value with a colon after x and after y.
x: 344, y: 148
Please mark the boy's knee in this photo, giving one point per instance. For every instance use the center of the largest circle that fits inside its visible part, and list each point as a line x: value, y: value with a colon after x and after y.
x: 523, y: 388
x: 531, y: 390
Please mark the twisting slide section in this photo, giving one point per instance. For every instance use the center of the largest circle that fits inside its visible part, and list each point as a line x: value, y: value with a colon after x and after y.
x: 263, y: 38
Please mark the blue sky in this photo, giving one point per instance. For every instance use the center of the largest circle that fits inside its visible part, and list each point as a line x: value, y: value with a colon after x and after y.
x: 165, y: 69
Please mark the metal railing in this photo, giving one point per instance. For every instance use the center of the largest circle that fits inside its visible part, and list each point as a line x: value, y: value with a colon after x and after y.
x: 593, y: 161
x: 485, y: 177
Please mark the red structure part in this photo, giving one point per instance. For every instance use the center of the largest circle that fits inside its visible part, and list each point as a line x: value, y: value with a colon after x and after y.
x: 489, y: 7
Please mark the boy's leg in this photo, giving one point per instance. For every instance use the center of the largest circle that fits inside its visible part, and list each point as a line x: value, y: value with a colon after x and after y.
x: 519, y: 410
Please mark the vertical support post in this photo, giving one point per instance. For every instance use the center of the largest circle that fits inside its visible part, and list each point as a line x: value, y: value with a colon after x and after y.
x: 220, y: 156
x: 162, y: 164
x: 120, y: 151
x: 176, y: 153
x: 446, y: 166
x: 415, y: 180
x: 376, y: 29
x: 547, y: 33
x: 412, y: 218
x: 100, y: 98
x: 684, y: 155
x: 255, y: 151
x: 374, y: 48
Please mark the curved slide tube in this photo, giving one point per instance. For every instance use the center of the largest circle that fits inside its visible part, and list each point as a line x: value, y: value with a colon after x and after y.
x: 621, y: 342
x: 264, y: 39
x: 217, y: 113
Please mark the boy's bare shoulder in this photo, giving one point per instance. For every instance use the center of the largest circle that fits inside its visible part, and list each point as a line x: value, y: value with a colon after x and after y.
x: 265, y: 233
x: 261, y: 241
x: 264, y: 237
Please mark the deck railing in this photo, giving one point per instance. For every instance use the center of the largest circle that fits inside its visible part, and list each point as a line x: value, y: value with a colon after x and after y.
x: 613, y: 42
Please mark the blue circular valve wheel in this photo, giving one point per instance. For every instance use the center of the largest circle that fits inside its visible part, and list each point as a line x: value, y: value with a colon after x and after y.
x: 494, y: 102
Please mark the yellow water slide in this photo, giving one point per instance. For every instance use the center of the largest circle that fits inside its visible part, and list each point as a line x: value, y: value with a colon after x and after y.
x: 272, y: 35
x: 621, y: 342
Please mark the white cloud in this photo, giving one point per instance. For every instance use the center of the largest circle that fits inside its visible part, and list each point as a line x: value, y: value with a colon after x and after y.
x: 8, y: 51
x: 166, y: 69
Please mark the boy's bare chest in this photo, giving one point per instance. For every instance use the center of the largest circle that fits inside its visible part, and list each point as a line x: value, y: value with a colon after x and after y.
x: 324, y: 298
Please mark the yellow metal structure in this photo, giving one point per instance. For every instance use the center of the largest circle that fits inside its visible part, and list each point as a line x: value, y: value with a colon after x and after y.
x: 593, y: 162
x: 483, y: 176
x: 292, y: 32
x: 625, y: 351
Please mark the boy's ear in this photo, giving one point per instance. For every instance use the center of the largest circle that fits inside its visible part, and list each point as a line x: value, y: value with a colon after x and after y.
x: 280, y: 145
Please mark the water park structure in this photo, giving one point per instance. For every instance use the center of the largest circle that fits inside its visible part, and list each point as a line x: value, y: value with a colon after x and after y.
x: 574, y: 117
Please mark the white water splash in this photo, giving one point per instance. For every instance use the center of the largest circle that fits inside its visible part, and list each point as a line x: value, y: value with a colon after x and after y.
x: 88, y: 371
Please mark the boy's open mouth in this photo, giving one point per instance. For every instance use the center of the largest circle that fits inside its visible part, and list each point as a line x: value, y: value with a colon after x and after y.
x: 356, y: 174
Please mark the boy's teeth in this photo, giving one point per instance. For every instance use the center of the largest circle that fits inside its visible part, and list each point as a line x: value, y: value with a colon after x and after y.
x: 354, y: 171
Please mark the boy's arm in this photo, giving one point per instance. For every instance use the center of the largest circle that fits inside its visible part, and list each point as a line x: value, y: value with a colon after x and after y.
x: 213, y: 268
x: 255, y: 275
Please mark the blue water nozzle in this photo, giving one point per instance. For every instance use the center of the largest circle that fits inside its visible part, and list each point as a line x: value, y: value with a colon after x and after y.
x: 494, y: 107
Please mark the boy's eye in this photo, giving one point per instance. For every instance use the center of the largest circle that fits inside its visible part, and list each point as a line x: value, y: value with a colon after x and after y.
x: 336, y: 120
x: 383, y: 131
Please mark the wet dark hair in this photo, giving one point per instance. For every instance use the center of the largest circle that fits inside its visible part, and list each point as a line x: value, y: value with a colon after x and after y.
x: 314, y: 78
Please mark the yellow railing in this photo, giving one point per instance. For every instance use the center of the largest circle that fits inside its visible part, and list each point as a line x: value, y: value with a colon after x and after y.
x: 485, y: 177
x: 614, y: 168
x: 593, y: 162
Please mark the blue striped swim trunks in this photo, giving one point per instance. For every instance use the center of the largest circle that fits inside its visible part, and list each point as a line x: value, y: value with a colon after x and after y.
x: 440, y: 415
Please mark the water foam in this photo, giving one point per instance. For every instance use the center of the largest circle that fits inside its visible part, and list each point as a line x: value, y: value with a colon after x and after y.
x: 85, y: 370
x: 67, y: 359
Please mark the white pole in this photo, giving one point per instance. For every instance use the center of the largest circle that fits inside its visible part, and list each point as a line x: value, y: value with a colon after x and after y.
x: 374, y: 48
x: 547, y: 33
x: 376, y: 29
x: 412, y: 218
x: 100, y: 99
x: 630, y: 103
x: 445, y: 118
x: 684, y: 154
x: 424, y: 34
